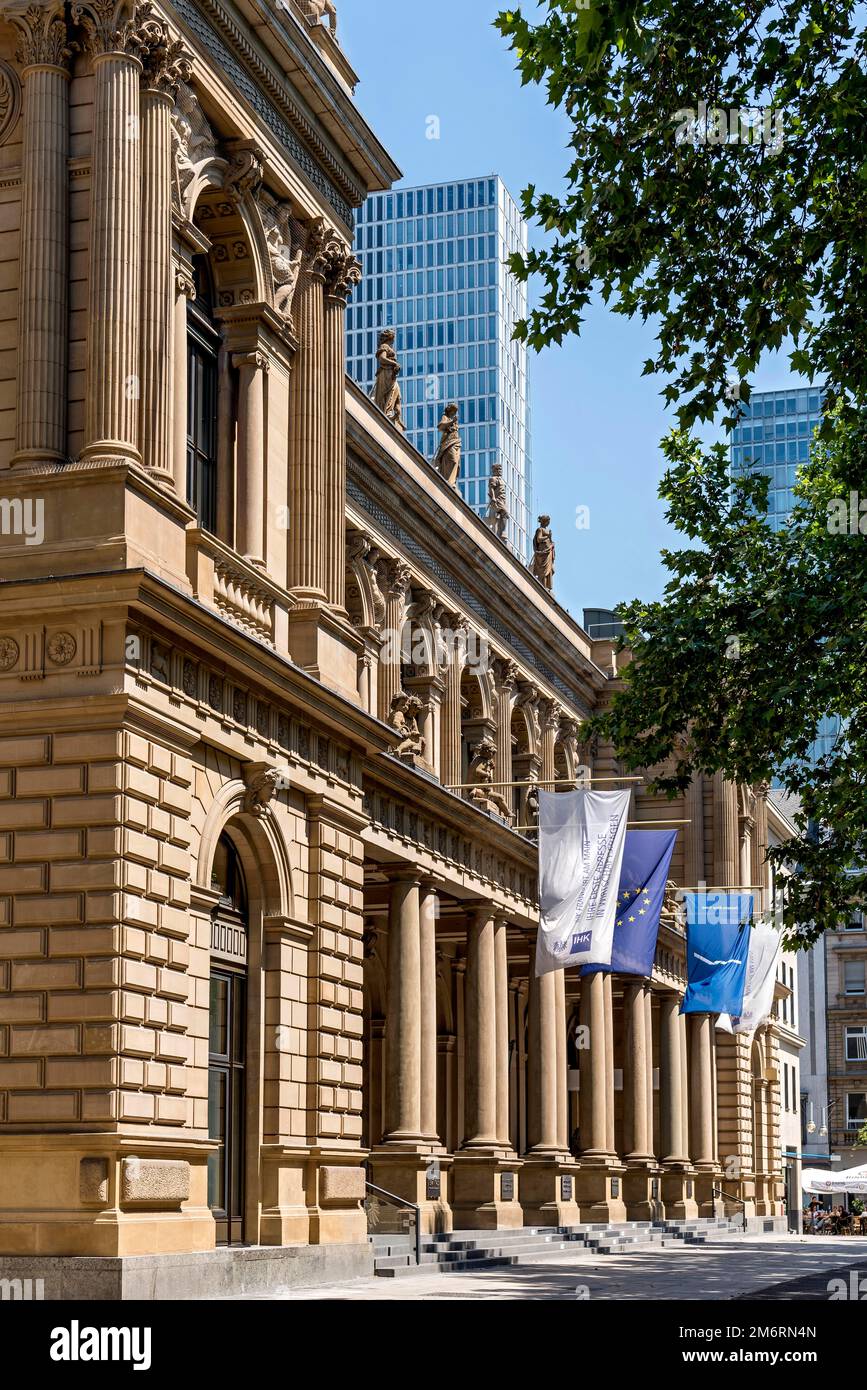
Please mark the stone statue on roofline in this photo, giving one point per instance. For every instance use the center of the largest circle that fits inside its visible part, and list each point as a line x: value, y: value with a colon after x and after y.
x: 448, y: 455
x: 321, y: 10
x: 542, y: 564
x: 482, y: 771
x: 497, y: 515
x: 386, y: 388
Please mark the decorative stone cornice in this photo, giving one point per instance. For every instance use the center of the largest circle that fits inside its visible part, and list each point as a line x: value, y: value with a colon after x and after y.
x: 166, y: 62
x: 43, y: 36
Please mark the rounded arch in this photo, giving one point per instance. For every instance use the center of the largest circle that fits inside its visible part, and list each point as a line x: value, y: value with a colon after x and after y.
x: 238, y: 250
x: 260, y: 846
x: 477, y: 693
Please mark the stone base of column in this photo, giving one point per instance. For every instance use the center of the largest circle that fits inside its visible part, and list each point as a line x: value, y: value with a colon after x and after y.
x: 405, y: 1174
x: 312, y: 1196
x: 642, y: 1191
x: 548, y: 1190
x: 599, y: 1190
x: 706, y: 1179
x: 678, y: 1193
x: 325, y: 646
x: 485, y: 1192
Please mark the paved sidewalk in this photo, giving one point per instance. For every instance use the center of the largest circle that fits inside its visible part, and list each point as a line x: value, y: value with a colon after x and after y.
x: 724, y: 1269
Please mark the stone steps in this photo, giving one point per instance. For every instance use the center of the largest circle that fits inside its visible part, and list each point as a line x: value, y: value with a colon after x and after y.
x: 457, y: 1251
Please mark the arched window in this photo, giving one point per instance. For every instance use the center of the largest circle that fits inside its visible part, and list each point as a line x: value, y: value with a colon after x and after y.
x: 227, y: 1046
x: 203, y: 346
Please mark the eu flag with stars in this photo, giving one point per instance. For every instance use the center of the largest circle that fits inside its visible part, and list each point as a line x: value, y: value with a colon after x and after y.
x: 643, y: 876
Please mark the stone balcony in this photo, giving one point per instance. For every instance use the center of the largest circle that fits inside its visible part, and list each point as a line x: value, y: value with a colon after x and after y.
x: 242, y: 593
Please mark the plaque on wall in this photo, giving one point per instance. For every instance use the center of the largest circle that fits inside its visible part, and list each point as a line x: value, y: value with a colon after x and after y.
x: 615, y: 1187
x: 433, y: 1181
x: 507, y: 1187
x: 654, y: 1189
x: 566, y: 1187
x: 689, y: 1187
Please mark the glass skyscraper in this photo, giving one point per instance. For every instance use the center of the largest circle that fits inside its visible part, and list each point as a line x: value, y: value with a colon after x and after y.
x: 434, y: 268
x: 773, y: 438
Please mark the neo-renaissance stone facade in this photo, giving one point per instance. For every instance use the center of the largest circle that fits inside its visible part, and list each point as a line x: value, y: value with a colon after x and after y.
x: 266, y: 684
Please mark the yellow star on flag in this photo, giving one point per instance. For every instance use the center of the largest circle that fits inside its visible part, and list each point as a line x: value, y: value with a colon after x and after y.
x: 632, y: 919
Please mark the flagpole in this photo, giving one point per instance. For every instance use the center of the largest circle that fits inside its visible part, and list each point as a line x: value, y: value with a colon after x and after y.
x: 575, y: 783
x: 630, y: 824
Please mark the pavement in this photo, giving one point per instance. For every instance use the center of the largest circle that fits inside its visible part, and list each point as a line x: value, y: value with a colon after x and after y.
x: 740, y: 1267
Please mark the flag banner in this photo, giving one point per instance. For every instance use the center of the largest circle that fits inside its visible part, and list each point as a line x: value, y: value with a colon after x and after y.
x: 643, y: 876
x: 581, y: 840
x: 717, y: 948
x: 762, y: 961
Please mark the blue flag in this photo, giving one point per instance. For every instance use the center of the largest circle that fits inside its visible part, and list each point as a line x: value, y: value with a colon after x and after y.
x: 717, y: 950
x: 643, y: 876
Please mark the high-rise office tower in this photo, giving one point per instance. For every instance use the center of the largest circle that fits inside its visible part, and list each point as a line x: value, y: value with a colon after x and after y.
x: 773, y: 438
x: 434, y: 268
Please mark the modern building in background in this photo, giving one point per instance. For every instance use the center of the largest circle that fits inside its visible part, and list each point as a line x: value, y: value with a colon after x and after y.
x: 434, y: 268
x: 774, y: 438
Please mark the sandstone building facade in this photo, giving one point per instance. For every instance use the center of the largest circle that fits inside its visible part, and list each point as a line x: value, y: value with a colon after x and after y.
x: 260, y: 942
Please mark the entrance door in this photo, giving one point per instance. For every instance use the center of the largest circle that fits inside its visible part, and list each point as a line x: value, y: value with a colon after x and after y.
x: 226, y: 1104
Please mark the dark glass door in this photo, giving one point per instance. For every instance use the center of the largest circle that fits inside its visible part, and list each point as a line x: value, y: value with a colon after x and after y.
x: 226, y: 1107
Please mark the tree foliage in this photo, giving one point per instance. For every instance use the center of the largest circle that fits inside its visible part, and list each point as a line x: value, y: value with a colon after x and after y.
x: 717, y: 186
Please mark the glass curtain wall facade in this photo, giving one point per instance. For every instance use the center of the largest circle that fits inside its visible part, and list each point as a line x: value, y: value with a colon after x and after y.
x: 773, y: 438
x: 434, y: 268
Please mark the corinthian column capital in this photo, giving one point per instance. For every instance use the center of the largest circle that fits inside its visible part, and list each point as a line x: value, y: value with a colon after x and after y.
x: 43, y: 35
x: 343, y: 272
x: 166, y: 63
x: 110, y: 26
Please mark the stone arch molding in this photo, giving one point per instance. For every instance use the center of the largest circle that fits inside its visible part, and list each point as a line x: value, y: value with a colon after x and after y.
x: 252, y: 818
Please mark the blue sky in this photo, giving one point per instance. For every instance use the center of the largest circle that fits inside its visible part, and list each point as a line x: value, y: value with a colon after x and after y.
x: 596, y: 421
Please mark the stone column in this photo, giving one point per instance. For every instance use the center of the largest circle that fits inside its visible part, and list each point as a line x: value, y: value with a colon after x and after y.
x: 184, y: 290
x: 450, y: 727
x: 636, y: 1071
x: 726, y: 866
x: 403, y: 1025
x: 394, y: 583
x: 250, y: 505
x: 501, y: 984
x: 428, y: 985
x: 562, y: 1069
x: 481, y: 1024
x: 165, y: 66
x: 596, y: 1070
x: 702, y: 1090
x: 550, y: 715
x: 759, y: 868
x: 671, y: 1081
x: 693, y: 839
x: 308, y: 426
x: 542, y: 1119
x: 343, y: 273
x: 113, y: 386
x: 607, y: 985
x: 505, y: 678
x: 43, y: 330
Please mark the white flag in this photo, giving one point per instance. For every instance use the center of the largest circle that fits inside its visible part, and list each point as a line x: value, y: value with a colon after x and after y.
x: 764, y: 953
x: 582, y: 835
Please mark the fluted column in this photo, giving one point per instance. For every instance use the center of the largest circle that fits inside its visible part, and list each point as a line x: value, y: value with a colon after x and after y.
x: 113, y: 386
x: 505, y: 677
x: 404, y: 1027
x: 43, y: 51
x: 250, y: 506
x: 672, y: 1080
x: 550, y: 715
x: 693, y: 838
x: 608, y: 994
x: 342, y: 275
x: 596, y: 1093
x: 638, y: 1063
x: 726, y: 867
x: 394, y: 583
x: 308, y: 426
x: 481, y: 1026
x: 450, y: 727
x: 165, y: 65
x: 759, y: 845
x: 542, y: 1118
x: 501, y: 986
x: 702, y: 1090
x: 184, y: 290
x: 428, y: 1004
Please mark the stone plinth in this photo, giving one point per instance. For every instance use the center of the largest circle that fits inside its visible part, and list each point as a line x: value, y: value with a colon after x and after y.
x: 548, y: 1191
x: 480, y: 1199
